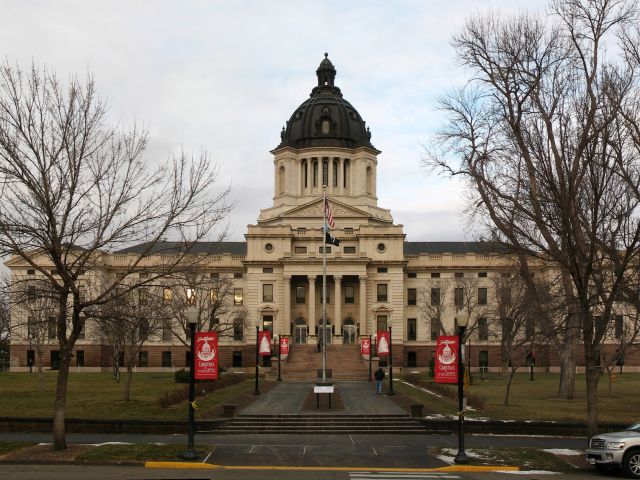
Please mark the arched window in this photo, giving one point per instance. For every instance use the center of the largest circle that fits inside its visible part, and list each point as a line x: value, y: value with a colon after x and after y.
x: 335, y: 173
x: 369, y: 181
x: 345, y: 176
x: 305, y: 173
x: 325, y: 173
x: 315, y: 173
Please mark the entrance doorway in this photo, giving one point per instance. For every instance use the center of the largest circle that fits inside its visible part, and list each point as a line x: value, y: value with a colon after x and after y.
x: 300, y: 331
x: 349, y: 332
x: 329, y: 333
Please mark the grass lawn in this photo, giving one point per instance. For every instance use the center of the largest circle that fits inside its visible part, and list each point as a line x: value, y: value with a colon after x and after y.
x: 6, y: 447
x: 536, y: 400
x: 138, y: 453
x: 96, y: 395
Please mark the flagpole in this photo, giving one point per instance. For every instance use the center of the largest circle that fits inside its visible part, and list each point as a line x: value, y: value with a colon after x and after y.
x: 324, y: 284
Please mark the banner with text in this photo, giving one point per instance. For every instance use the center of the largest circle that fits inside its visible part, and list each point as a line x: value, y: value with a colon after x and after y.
x: 446, y: 361
x: 382, y: 343
x: 264, y: 343
x: 365, y: 348
x: 284, y: 345
x: 206, y: 360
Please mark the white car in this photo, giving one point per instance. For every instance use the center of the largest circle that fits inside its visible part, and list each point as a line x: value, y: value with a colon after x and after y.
x: 617, y: 450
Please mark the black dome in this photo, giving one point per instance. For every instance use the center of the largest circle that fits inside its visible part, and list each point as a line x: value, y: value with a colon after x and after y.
x: 325, y: 119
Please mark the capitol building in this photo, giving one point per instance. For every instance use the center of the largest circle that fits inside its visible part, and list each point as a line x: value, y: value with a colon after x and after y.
x: 375, y: 279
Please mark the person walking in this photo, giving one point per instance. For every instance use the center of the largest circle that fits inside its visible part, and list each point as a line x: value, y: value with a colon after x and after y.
x: 379, y: 377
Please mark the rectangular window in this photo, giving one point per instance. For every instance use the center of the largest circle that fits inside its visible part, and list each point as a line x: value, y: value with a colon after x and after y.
x: 143, y: 358
x: 31, y: 272
x: 382, y: 270
x: 412, y: 296
x: 238, y: 330
x: 214, y: 275
x: 435, y: 275
x: 321, y: 249
x: 458, y: 275
x: 348, y: 230
x: 81, y: 335
x: 325, y: 173
x: 31, y: 327
x: 435, y: 296
x: 530, y: 328
x: 80, y: 358
x: 300, y: 250
x: 482, y: 296
x: 267, y: 292
x: 143, y: 330
x: 381, y: 323
x: 349, y: 294
x: 505, y: 275
x: 166, y: 359
x: 435, y: 328
x: 267, y: 270
x: 143, y: 275
x: 52, y: 328
x: 483, y: 359
x: 167, y: 295
x: 349, y: 250
x: 31, y: 358
x: 482, y: 274
x: 267, y: 323
x: 238, y: 297
x: 381, y: 292
x: 31, y: 293
x: 412, y: 359
x: 483, y: 329
x: 618, y: 326
x: 167, y: 334
x: 54, y: 357
x: 300, y: 299
x: 412, y: 332
x: 412, y: 275
x: 328, y: 294
x: 236, y: 359
x: 213, y: 296
x: 505, y: 296
x: 237, y: 275
x: 458, y: 297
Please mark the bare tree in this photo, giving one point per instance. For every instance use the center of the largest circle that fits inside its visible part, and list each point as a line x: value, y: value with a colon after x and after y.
x: 74, y: 188
x: 129, y: 320
x: 542, y: 134
x: 432, y: 301
x: 5, y: 324
x: 215, y: 303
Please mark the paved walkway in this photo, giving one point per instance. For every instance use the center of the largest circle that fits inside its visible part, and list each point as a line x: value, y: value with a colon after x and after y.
x: 358, y: 398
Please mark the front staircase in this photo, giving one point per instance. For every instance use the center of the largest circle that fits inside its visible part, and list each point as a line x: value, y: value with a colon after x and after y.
x: 311, y: 424
x: 345, y: 362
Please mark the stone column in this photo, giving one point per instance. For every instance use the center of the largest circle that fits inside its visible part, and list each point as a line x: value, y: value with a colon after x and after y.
x: 363, y: 304
x: 338, y: 304
x: 285, y: 329
x: 340, y: 175
x: 329, y: 174
x: 312, y: 305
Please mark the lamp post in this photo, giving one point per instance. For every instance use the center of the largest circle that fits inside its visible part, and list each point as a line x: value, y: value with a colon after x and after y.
x: 462, y: 320
x: 256, y: 389
x: 192, y: 317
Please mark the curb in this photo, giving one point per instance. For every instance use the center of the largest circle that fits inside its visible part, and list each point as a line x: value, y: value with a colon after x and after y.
x: 209, y: 466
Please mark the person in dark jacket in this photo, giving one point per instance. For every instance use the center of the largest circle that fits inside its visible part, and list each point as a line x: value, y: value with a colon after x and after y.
x: 379, y: 377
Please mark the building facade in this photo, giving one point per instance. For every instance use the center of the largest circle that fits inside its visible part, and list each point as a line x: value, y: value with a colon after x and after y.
x: 375, y: 280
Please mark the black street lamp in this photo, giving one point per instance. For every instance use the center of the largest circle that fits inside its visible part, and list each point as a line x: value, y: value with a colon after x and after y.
x: 462, y: 320
x: 192, y: 317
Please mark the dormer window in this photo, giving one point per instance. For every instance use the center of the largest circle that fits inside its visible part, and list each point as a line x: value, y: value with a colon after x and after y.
x: 326, y: 127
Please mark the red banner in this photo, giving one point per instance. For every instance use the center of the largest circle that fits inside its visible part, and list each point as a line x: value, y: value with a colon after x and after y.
x: 365, y: 348
x: 382, y: 343
x: 446, y: 361
x: 264, y: 343
x: 206, y: 359
x: 284, y: 345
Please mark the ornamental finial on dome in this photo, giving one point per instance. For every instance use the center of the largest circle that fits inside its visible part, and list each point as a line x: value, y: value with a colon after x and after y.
x: 326, y: 72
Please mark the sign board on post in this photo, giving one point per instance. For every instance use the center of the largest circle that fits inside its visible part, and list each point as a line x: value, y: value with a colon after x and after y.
x: 446, y: 361
x: 284, y: 345
x: 382, y: 342
x: 365, y: 347
x: 264, y: 343
x: 206, y: 359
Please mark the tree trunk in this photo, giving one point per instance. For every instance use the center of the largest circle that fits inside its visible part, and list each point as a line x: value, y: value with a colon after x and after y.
x: 610, y: 374
x: 507, y: 390
x: 59, y: 434
x: 592, y: 399
x: 40, y: 371
x: 567, y: 356
x: 127, y: 384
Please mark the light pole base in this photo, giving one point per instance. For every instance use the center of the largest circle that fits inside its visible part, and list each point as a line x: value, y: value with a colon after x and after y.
x: 461, y: 457
x: 189, y: 455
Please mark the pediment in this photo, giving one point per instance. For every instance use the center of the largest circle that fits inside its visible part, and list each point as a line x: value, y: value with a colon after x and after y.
x: 314, y: 210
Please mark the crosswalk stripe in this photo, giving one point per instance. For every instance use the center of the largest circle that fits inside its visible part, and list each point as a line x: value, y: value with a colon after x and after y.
x: 400, y: 475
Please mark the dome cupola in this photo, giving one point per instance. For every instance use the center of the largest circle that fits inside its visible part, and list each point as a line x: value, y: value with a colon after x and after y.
x: 325, y: 119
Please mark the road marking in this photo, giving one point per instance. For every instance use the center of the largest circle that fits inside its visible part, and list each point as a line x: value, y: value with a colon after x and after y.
x: 252, y: 447
x: 374, y: 451
x: 207, y: 457
x: 399, y: 475
x: 350, y: 438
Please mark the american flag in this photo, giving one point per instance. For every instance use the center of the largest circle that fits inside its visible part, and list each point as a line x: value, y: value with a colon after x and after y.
x: 328, y: 215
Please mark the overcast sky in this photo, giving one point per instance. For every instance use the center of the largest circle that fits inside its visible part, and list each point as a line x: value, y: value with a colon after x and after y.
x: 225, y: 76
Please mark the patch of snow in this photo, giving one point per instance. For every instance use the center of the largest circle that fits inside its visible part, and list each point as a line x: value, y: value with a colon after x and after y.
x: 527, y: 472
x: 563, y: 451
x: 420, y: 388
x: 108, y: 443
x: 446, y: 459
x: 45, y: 443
